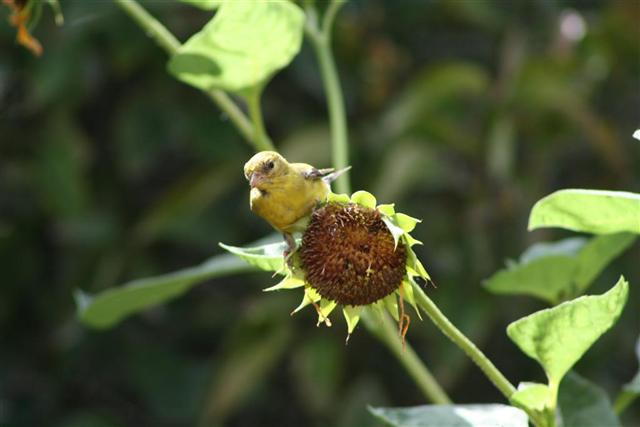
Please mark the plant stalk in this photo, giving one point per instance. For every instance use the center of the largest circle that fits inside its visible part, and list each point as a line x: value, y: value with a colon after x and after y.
x: 321, y: 43
x: 386, y: 331
x: 167, y: 41
x: 260, y: 137
x: 458, y: 338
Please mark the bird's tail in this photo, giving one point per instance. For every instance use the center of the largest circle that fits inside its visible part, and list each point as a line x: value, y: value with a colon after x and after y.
x: 329, y: 178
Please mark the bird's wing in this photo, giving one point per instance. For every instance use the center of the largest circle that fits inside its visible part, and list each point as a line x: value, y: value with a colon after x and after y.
x: 328, y: 175
x: 332, y: 175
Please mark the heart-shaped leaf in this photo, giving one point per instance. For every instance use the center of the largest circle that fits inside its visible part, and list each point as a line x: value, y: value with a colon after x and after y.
x: 558, y: 337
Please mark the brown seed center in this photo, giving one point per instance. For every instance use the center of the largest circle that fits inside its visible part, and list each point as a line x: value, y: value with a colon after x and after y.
x: 348, y: 255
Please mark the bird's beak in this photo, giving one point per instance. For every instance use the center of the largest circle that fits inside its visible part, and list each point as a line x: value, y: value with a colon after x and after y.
x: 255, y: 179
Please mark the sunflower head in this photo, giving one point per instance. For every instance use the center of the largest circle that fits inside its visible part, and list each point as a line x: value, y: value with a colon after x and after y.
x: 356, y: 255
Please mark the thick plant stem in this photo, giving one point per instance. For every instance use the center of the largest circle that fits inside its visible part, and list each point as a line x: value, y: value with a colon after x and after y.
x: 167, y: 41
x: 458, y: 338
x: 321, y: 42
x: 387, y: 332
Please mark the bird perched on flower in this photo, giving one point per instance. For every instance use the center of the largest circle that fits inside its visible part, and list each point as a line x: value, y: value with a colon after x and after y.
x: 284, y: 193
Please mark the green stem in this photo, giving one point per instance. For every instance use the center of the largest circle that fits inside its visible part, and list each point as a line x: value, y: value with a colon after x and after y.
x: 260, y: 137
x: 387, y: 332
x: 152, y: 27
x: 624, y: 399
x: 167, y: 41
x: 458, y: 338
x: 321, y: 42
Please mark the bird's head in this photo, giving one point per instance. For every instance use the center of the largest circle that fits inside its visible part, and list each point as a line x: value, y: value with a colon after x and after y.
x: 263, y: 167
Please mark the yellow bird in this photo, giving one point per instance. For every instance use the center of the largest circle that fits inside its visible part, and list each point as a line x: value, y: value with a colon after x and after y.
x: 284, y: 193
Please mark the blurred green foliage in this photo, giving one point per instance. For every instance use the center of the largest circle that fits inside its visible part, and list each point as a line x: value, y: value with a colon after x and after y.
x: 463, y: 113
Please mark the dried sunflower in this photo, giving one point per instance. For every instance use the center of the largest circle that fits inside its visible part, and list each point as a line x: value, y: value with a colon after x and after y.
x: 356, y: 255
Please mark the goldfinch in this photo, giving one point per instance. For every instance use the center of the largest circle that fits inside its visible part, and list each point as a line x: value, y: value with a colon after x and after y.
x: 283, y: 193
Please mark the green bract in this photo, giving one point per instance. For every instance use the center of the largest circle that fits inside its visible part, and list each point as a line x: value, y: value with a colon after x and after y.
x: 241, y: 47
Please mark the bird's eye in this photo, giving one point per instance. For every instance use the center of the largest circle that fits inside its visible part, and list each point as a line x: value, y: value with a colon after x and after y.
x: 270, y: 165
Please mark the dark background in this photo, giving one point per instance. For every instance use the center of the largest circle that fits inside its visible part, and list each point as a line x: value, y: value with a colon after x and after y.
x: 463, y: 113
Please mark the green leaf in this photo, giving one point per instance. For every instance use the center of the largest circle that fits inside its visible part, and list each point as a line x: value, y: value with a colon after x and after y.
x: 452, y: 416
x: 584, y: 404
x: 558, y: 337
x: 265, y: 257
x: 241, y: 47
x: 597, y: 254
x: 545, y: 278
x: 107, y: 308
x: 534, y: 396
x: 591, y: 211
x: 204, y: 4
x: 559, y: 270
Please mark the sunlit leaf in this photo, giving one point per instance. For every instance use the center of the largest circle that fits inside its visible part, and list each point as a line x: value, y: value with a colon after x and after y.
x: 242, y: 46
x: 597, y: 254
x: 559, y: 270
x: 545, y: 278
x: 590, y: 211
x: 532, y: 395
x: 558, y: 337
x: 109, y: 307
x: 452, y: 416
x: 584, y: 404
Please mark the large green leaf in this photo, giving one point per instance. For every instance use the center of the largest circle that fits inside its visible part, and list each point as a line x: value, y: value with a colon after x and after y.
x: 560, y: 270
x: 558, y: 337
x: 452, y: 416
x: 590, y: 211
x: 107, y: 308
x: 596, y: 255
x: 584, y: 404
x: 545, y: 278
x: 242, y: 46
